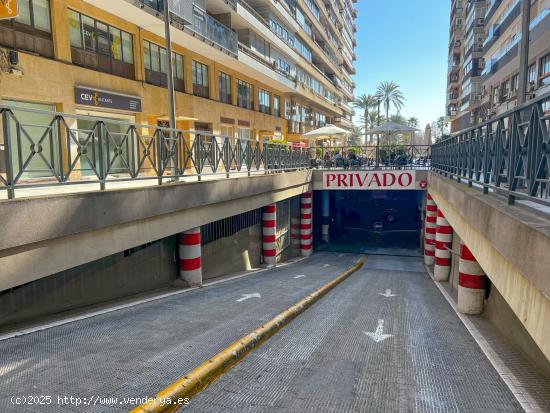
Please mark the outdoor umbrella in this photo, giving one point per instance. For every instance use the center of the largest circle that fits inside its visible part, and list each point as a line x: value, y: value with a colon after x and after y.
x: 326, y: 131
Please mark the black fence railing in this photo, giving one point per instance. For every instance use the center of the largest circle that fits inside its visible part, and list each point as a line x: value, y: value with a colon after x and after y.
x: 40, y: 148
x: 508, y: 154
x: 372, y: 157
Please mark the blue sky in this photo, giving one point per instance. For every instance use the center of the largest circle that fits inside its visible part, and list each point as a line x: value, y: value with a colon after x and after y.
x: 405, y: 41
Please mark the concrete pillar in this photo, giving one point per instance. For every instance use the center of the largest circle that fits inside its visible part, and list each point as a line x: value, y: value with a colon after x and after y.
x: 471, y: 283
x: 443, y: 246
x: 190, y: 257
x: 325, y: 230
x: 269, y: 235
x: 306, y: 224
x: 430, y: 230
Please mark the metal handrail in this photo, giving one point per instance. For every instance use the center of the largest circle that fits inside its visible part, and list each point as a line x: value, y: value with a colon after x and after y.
x: 509, y: 154
x: 371, y: 157
x: 59, y: 152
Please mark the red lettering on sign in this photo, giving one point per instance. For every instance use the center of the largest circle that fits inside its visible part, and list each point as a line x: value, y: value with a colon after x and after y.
x: 389, y: 175
x: 361, y: 182
x: 342, y: 180
x: 401, y: 179
x: 375, y: 177
x: 330, y: 178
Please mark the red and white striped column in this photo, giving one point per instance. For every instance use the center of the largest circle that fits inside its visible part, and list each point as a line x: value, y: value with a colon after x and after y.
x: 269, y: 235
x: 430, y: 231
x: 443, y: 246
x: 190, y: 257
x: 471, y: 283
x: 306, y: 224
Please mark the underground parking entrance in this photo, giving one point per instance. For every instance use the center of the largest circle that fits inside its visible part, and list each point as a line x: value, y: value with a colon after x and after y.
x: 372, y: 212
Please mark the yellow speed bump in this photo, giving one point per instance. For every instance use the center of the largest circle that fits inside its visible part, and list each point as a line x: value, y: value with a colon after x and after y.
x: 175, y: 396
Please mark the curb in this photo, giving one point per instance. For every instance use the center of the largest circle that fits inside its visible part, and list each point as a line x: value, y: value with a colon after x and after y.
x: 177, y: 395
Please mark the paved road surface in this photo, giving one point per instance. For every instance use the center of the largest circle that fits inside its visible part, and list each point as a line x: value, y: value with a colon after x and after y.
x: 323, y: 361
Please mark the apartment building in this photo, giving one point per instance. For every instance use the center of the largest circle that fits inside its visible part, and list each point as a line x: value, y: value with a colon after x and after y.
x: 258, y: 69
x: 484, y: 47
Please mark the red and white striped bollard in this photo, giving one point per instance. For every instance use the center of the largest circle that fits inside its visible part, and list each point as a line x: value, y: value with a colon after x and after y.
x: 471, y: 283
x: 269, y: 235
x: 190, y: 257
x: 430, y: 231
x: 443, y: 246
x: 306, y: 223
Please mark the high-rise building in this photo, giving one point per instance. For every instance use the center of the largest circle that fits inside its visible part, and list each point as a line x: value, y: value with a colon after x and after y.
x: 484, y: 63
x: 258, y: 69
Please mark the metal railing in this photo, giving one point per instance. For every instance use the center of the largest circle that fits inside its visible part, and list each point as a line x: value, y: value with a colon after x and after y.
x: 509, y: 154
x: 372, y: 157
x: 40, y: 148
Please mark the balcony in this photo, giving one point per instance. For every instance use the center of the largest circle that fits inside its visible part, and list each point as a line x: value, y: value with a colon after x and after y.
x: 201, y: 25
x: 213, y: 31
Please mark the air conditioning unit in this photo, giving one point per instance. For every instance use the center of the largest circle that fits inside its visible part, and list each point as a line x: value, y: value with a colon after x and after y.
x: 481, y: 63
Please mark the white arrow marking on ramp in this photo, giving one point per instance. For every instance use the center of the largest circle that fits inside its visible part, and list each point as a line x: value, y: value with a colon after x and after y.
x: 247, y: 296
x: 299, y: 276
x: 388, y: 294
x: 379, y: 335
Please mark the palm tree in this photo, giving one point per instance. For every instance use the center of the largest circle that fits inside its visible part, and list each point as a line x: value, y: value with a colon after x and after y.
x: 390, y: 95
x: 366, y: 103
x: 413, y: 122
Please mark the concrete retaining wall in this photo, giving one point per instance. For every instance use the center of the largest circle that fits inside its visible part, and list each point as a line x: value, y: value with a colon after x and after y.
x: 239, y: 252
x: 511, y: 244
x: 112, y: 277
x: 51, y: 234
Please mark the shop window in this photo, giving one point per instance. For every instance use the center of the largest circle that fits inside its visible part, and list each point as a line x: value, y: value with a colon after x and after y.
x: 225, y: 88
x: 101, y: 47
x: 154, y: 61
x: 200, y: 80
x: 31, y: 30
x: 244, y: 94
x: 264, y: 101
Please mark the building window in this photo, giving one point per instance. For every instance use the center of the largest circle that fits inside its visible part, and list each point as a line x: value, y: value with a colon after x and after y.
x: 154, y: 61
x: 545, y: 70
x: 200, y: 80
x: 276, y: 106
x: 225, y: 88
x: 532, y: 75
x: 244, y: 94
x: 264, y: 101
x: 514, y: 83
x: 303, y: 50
x: 99, y: 46
x: 31, y: 30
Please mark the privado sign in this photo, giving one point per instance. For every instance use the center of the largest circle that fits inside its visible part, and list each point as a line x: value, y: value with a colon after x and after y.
x: 372, y: 180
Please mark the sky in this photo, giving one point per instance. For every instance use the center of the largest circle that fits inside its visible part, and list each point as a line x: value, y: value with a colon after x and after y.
x: 405, y: 41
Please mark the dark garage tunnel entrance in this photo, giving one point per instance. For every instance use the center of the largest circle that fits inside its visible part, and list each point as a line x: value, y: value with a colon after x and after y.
x: 372, y: 222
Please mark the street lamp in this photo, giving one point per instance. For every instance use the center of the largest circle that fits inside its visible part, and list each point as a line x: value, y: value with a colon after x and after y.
x: 524, y: 51
x: 170, y: 85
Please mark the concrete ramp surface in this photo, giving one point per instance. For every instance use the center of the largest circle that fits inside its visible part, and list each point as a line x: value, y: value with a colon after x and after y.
x: 384, y: 340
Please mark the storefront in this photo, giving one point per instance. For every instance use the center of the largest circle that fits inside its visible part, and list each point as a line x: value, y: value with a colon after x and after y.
x: 116, y: 111
x: 31, y: 131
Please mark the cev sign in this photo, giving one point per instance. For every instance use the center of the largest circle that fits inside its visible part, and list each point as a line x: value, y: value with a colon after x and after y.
x: 8, y: 9
x: 369, y: 180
